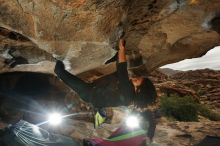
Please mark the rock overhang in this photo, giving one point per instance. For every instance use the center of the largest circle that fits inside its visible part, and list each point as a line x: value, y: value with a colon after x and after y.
x: 84, y: 33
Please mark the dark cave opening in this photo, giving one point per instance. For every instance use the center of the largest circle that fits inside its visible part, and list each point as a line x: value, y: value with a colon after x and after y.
x: 29, y: 96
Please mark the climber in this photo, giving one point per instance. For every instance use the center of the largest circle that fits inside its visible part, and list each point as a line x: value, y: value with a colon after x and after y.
x: 122, y: 88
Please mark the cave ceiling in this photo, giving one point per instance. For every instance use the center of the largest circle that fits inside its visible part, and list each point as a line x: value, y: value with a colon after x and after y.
x: 84, y: 33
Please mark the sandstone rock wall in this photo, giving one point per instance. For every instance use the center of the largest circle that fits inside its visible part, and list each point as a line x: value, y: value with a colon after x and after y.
x: 84, y: 33
x: 206, y: 83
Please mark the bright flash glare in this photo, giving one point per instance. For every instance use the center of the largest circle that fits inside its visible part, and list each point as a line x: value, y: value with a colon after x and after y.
x: 55, y: 119
x: 132, y: 122
x: 36, y: 129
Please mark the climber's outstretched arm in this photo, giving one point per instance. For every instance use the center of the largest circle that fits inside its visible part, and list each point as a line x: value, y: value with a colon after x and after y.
x: 121, y: 51
x: 122, y: 72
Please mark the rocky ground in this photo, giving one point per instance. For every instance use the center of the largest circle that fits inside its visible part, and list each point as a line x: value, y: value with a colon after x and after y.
x: 167, y: 133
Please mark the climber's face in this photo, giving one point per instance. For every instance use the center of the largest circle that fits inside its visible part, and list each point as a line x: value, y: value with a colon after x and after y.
x: 137, y: 81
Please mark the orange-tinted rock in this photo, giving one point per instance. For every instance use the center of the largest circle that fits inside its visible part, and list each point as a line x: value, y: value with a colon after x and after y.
x: 84, y: 33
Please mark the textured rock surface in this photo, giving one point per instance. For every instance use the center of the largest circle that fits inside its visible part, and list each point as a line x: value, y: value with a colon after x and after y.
x: 83, y: 33
x: 206, y: 84
x: 202, y: 85
x: 184, y: 133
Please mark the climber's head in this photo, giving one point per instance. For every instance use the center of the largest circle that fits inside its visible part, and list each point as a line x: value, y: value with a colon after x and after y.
x: 136, y: 68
